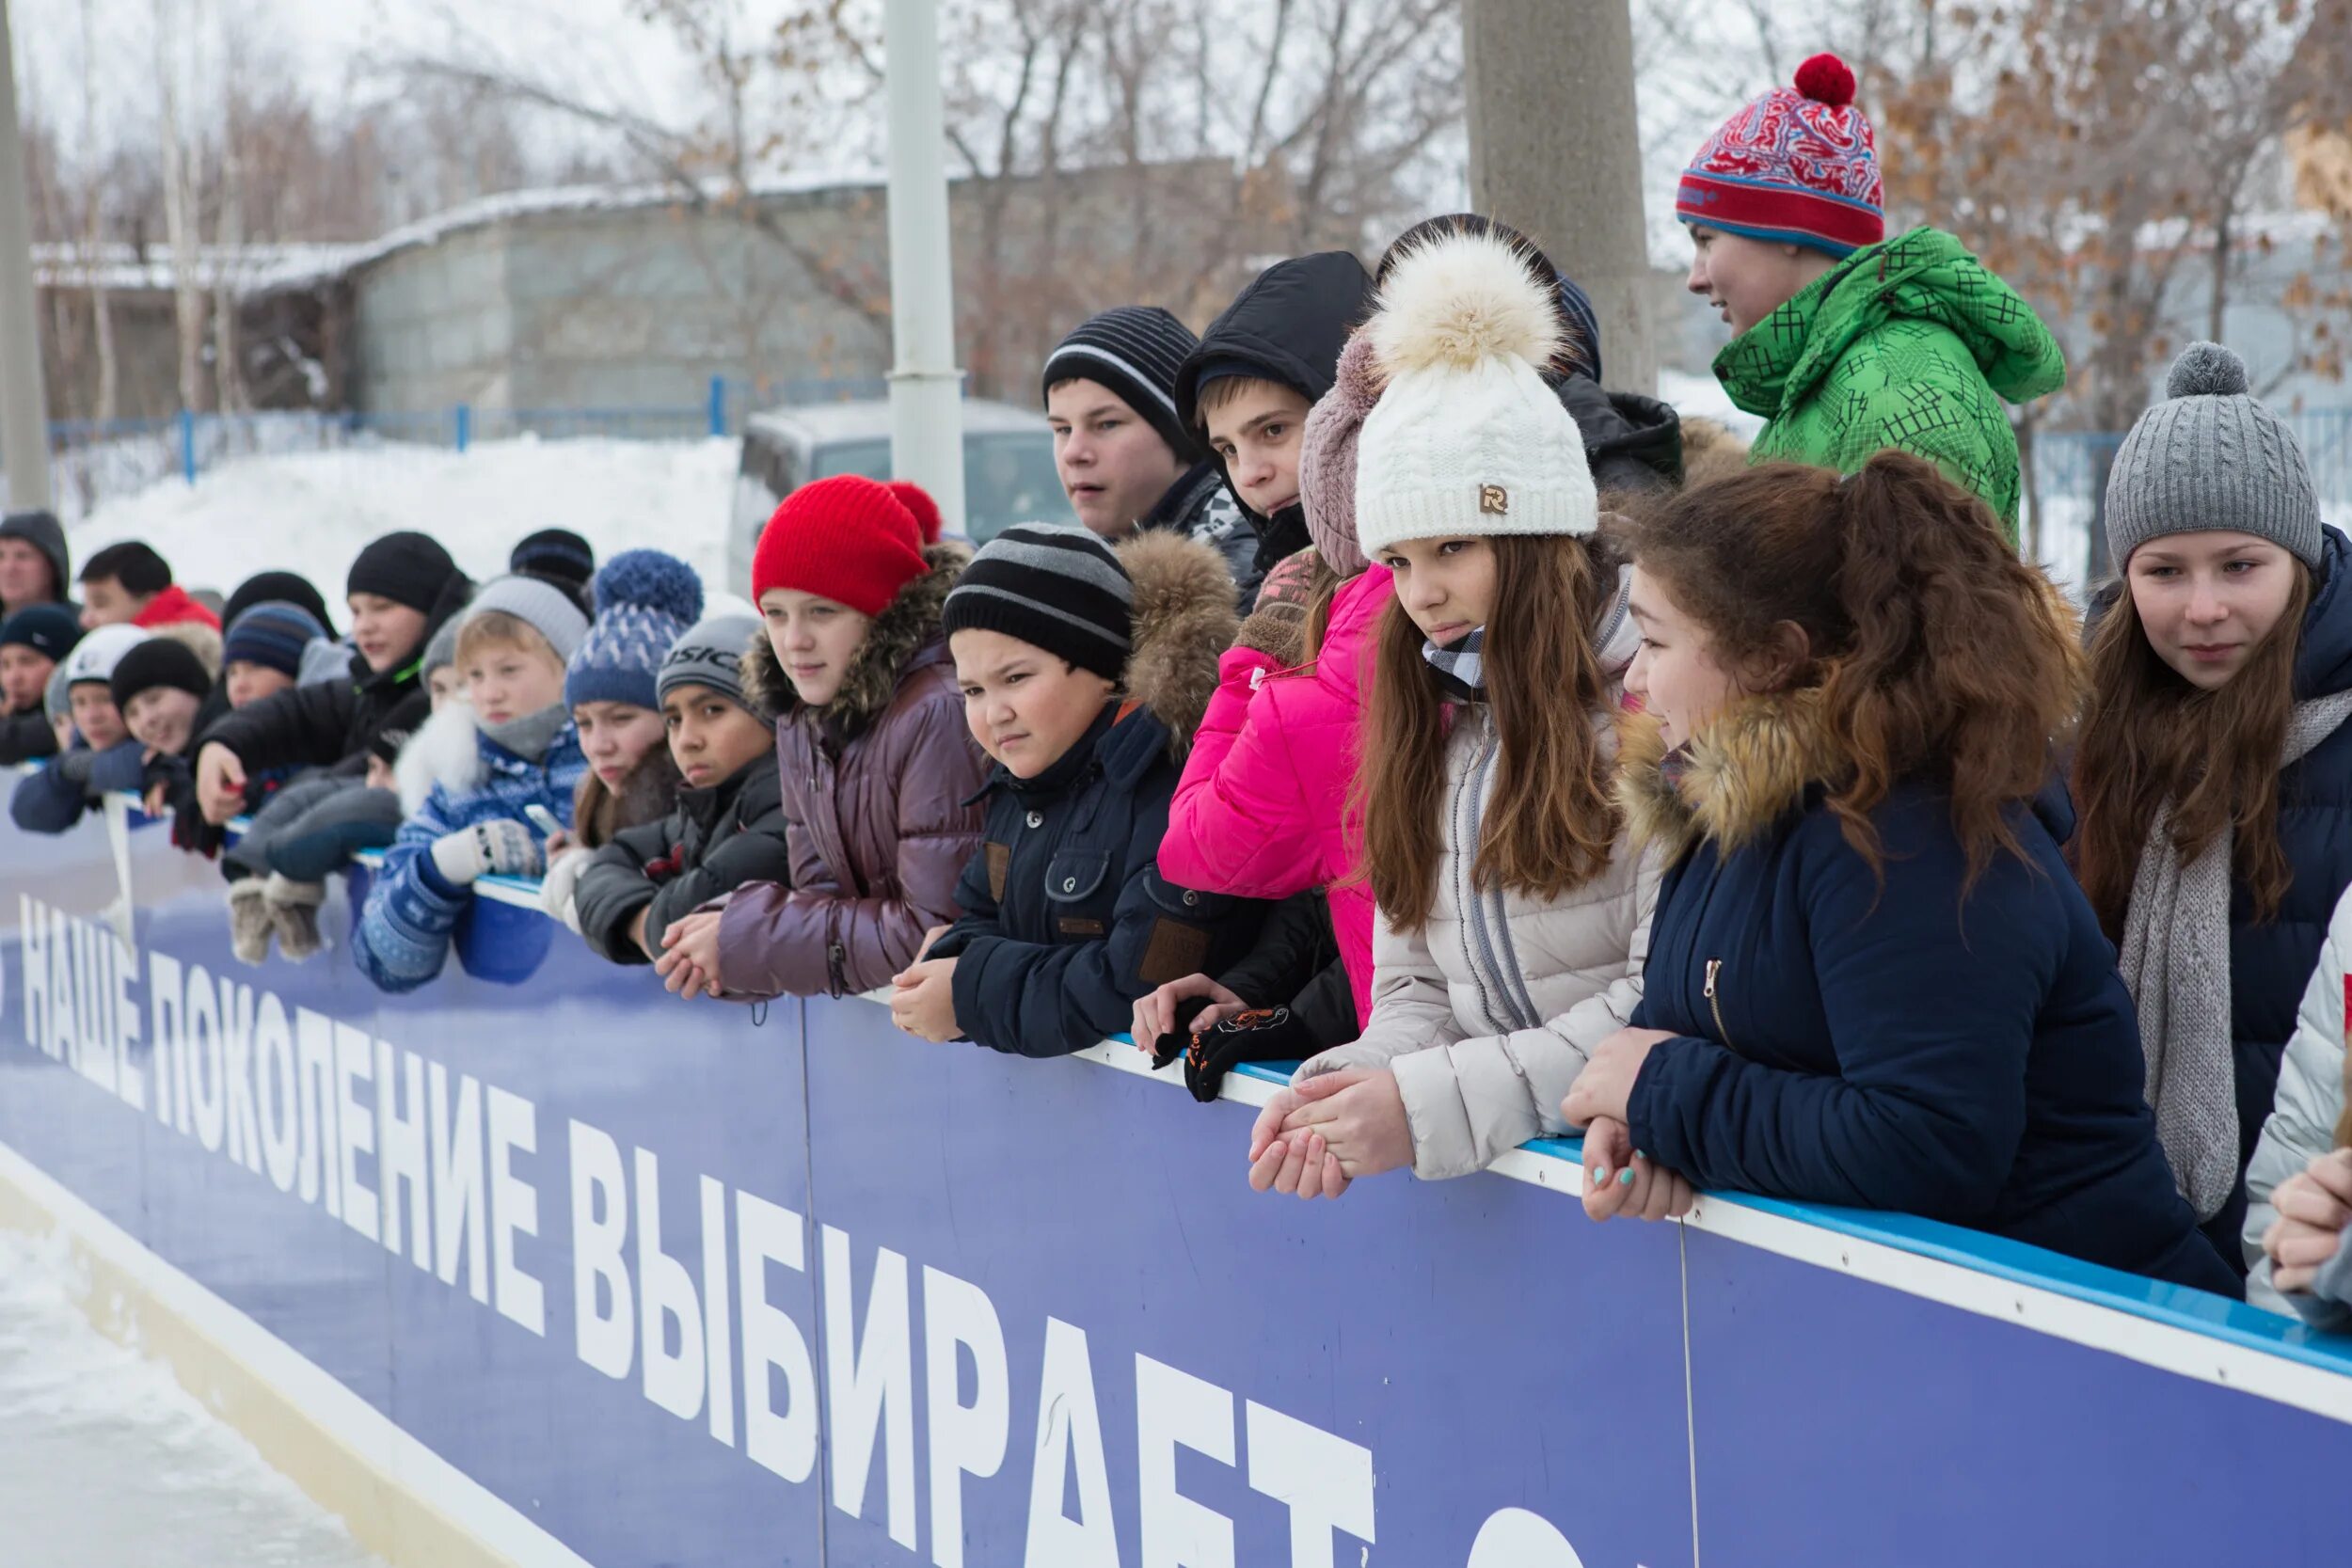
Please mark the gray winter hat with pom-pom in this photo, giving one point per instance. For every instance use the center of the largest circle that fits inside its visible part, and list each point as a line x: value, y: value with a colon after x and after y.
x: 2210, y: 459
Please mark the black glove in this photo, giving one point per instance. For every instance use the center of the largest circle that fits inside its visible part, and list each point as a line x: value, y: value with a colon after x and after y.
x: 1179, y: 1039
x: 1260, y: 1035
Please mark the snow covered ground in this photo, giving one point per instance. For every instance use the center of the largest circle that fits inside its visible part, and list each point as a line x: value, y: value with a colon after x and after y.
x: 312, y: 512
x: 106, y: 1461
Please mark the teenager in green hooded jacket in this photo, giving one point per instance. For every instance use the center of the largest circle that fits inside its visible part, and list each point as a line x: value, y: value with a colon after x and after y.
x: 1848, y: 342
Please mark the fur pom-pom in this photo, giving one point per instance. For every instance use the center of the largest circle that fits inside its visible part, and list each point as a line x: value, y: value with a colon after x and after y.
x: 2206, y: 371
x: 1457, y: 301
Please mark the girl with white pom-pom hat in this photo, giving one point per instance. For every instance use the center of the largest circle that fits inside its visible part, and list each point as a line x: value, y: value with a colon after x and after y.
x: 1512, y: 917
x: 2215, y: 772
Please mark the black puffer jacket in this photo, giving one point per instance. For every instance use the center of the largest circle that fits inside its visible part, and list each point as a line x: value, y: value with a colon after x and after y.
x: 1288, y: 326
x: 1631, y: 442
x: 1067, y: 919
x: 330, y: 723
x: 713, y: 842
x: 26, y: 735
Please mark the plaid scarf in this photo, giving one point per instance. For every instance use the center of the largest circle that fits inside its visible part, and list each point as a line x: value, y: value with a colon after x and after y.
x: 1461, y: 670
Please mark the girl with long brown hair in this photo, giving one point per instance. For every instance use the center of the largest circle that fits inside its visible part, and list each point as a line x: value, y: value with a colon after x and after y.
x: 1871, y: 980
x: 2215, y: 775
x: 1507, y: 938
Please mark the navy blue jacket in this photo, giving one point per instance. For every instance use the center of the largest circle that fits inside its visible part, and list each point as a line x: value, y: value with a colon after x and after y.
x: 2271, y: 962
x: 54, y: 798
x: 1067, y: 919
x: 1884, y: 1046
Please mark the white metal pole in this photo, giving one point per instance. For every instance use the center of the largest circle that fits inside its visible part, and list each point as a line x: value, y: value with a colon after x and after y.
x: 24, y: 421
x: 926, y: 388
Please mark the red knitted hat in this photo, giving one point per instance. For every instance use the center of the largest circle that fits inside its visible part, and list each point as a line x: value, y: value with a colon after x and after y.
x: 919, y: 506
x: 1799, y: 166
x: 846, y: 539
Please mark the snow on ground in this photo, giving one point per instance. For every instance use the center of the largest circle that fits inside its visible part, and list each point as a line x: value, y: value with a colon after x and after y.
x: 105, y: 1460
x: 312, y: 512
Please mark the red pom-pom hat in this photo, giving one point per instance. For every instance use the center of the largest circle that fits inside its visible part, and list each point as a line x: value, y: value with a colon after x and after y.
x: 1798, y: 165
x: 846, y: 539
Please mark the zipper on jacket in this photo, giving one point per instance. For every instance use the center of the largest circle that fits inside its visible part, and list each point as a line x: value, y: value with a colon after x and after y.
x: 837, y: 960
x: 1714, y: 1003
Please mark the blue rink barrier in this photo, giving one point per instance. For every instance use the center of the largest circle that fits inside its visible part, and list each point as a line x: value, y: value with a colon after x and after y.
x: 616, y: 1278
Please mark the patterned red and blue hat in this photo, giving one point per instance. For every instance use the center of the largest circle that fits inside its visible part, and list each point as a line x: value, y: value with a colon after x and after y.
x: 1799, y: 166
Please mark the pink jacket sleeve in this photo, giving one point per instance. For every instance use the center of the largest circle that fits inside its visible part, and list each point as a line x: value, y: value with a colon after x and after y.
x: 1239, y: 823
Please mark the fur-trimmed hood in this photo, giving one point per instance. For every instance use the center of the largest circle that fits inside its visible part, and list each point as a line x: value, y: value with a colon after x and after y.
x: 906, y: 627
x: 1185, y: 620
x: 444, y: 750
x: 1743, y: 774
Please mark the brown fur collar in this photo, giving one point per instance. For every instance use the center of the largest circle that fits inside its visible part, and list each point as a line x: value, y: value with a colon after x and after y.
x: 1735, y: 779
x: 904, y: 628
x: 647, y: 793
x: 1185, y: 620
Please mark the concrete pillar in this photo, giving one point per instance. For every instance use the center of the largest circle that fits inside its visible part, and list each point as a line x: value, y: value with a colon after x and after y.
x: 925, y: 388
x: 1555, y: 152
x: 24, y: 421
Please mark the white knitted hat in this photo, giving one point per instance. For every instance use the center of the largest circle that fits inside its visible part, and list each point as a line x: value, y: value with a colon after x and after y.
x: 1467, y: 440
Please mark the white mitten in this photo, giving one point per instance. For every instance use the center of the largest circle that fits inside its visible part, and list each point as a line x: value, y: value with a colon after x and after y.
x: 555, y: 888
x: 500, y: 845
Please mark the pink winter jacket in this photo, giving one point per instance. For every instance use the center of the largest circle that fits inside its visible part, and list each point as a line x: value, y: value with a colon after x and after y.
x: 1262, y: 809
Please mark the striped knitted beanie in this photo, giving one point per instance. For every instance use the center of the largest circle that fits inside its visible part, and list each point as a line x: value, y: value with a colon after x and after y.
x: 1799, y: 166
x: 273, y: 634
x: 1053, y: 587
x: 1135, y: 350
x: 645, y: 600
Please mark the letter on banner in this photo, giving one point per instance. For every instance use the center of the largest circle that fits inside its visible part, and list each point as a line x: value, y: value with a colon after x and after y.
x: 1069, y: 1427
x: 965, y: 1438
x: 1175, y: 1409
x: 459, y: 1190
x: 718, y: 1327
x: 274, y: 1092
x: 604, y: 1340
x: 664, y: 1292
x: 1325, y: 1481
x: 133, y: 1087
x: 62, y: 1030
x: 355, y: 1063
x: 32, y: 923
x: 783, y: 1441
x: 162, y: 1023
x: 314, y: 1104
x: 876, y: 1388
x: 201, y: 1073
x: 236, y: 1027
x: 1513, y: 1538
x: 400, y: 1152
x: 514, y: 1207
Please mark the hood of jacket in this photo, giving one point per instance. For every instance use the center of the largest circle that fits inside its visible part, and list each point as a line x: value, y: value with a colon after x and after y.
x: 42, y: 530
x: 174, y: 606
x: 1289, y: 325
x: 1752, y: 766
x: 1926, y: 275
x: 2323, y: 664
x: 1630, y: 441
x: 903, y: 638
x: 1185, y: 620
x: 446, y: 751
x: 748, y: 793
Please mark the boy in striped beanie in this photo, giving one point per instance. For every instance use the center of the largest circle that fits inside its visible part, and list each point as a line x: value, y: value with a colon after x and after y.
x: 1785, y: 207
x: 263, y: 651
x: 1127, y: 460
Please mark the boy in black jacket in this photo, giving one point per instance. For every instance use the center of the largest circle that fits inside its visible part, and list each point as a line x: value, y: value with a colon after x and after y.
x: 727, y: 828
x: 32, y: 642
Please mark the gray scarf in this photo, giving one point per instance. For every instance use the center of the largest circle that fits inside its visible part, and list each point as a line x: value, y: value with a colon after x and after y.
x: 530, y: 736
x: 2175, y: 958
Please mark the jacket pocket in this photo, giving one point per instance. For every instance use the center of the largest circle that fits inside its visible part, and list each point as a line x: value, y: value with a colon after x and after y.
x: 1076, y: 893
x: 1183, y: 926
x: 999, y: 866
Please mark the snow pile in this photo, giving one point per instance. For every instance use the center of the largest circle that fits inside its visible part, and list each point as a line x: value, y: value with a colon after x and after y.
x: 312, y: 512
x: 106, y: 1459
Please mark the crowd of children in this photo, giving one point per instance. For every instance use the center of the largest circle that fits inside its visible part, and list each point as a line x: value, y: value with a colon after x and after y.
x: 1411, y: 707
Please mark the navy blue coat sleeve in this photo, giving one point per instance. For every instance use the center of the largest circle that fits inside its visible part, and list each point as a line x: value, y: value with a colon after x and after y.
x: 1931, y: 1019
x: 1049, y: 999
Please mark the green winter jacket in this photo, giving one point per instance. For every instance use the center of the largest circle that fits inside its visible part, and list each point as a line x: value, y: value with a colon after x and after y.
x: 1910, y: 344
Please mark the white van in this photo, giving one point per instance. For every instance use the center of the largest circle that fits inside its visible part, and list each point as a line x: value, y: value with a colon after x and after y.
x: 1009, y: 471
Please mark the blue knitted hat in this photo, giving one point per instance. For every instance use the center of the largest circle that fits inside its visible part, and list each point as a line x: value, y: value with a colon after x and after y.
x: 645, y: 600
x: 272, y: 633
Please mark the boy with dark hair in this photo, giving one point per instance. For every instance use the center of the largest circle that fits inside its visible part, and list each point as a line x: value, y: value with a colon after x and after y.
x: 34, y: 564
x: 1127, y: 460
x: 130, y: 584
x: 104, y: 756
x: 32, y: 642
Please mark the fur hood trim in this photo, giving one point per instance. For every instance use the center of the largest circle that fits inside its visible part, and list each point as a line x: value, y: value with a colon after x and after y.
x: 444, y: 750
x: 902, y: 630
x: 1185, y: 620
x: 1744, y: 772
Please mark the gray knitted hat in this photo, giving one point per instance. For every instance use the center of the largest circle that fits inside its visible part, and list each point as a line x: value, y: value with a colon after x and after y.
x: 539, y: 605
x: 2210, y: 459
x: 710, y: 653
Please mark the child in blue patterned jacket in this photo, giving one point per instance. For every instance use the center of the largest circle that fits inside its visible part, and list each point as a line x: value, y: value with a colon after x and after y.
x: 512, y: 648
